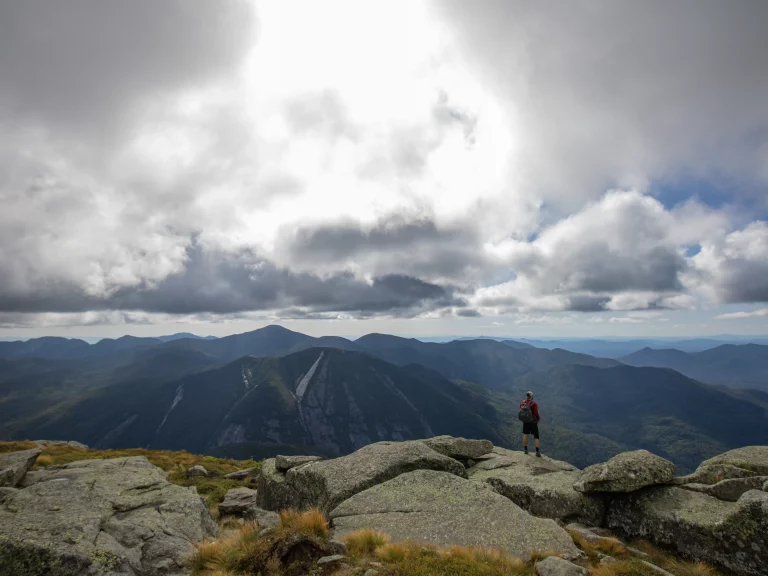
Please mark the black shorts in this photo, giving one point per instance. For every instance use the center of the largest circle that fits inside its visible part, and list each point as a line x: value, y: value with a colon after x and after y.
x: 531, y: 428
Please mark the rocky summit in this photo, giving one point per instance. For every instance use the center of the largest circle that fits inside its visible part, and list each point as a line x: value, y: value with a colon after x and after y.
x: 122, y: 516
x: 101, y: 517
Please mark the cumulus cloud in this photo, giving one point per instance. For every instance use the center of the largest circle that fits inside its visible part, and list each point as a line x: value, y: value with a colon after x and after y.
x: 734, y: 267
x: 222, y: 158
x: 620, y: 93
x: 624, y: 252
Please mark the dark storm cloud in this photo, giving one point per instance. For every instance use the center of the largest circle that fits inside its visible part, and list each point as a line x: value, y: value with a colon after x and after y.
x: 599, y: 268
x: 220, y: 283
x: 468, y: 313
x: 417, y: 246
x: 743, y: 281
x: 587, y: 303
x: 86, y: 63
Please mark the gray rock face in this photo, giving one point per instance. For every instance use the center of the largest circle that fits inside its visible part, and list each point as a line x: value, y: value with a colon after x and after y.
x: 554, y: 566
x: 584, y: 532
x: 744, y: 462
x: 103, y: 517
x: 541, y: 486
x: 69, y: 443
x: 197, y: 470
x: 443, y: 509
x: 264, y: 518
x: 765, y: 486
x: 243, y: 474
x: 237, y: 501
x: 14, y: 465
x: 731, y: 489
x: 626, y: 472
x: 6, y: 493
x: 334, y: 560
x: 285, y: 463
x: 327, y: 483
x: 273, y: 490
x: 732, y: 535
x: 712, y: 474
x: 459, y: 448
x: 751, y: 458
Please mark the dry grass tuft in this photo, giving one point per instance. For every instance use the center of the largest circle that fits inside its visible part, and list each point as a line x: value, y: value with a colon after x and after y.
x: 44, y: 460
x: 691, y: 568
x: 413, y: 559
x: 395, y: 552
x: 310, y: 522
x: 540, y: 555
x: 612, y: 547
x: 364, y: 542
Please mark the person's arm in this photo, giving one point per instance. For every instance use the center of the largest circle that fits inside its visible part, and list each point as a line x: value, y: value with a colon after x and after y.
x: 536, y: 411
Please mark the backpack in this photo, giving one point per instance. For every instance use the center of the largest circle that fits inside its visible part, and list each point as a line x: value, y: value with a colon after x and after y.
x: 526, y: 414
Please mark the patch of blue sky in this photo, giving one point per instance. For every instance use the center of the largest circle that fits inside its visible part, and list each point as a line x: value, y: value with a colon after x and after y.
x: 749, y: 197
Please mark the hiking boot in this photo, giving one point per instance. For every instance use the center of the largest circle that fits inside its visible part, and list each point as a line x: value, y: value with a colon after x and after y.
x: 525, y: 451
x: 538, y: 454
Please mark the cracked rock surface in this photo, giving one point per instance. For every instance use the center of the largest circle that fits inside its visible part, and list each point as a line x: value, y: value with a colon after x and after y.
x: 327, y: 483
x: 443, y: 509
x: 99, y: 517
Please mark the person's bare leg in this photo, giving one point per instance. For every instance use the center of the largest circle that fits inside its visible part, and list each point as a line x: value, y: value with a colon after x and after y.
x: 536, y: 442
x: 525, y: 442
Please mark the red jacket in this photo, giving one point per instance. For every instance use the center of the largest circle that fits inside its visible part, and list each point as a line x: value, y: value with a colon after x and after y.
x: 534, y: 409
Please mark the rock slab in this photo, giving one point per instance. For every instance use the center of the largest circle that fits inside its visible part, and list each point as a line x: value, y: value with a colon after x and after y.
x: 197, y: 471
x: 285, y: 463
x: 104, y: 517
x: 541, y: 486
x: 242, y: 474
x: 626, y: 472
x: 443, y: 509
x: 327, y: 483
x: 555, y: 566
x: 731, y: 489
x: 237, y: 501
x: 15, y: 465
x: 264, y: 518
x: 731, y: 535
x: 745, y: 462
x: 67, y: 443
x: 459, y: 448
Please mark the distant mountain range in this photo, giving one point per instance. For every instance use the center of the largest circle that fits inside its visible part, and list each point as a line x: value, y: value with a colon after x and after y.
x: 619, y: 348
x: 744, y: 366
x: 242, y: 394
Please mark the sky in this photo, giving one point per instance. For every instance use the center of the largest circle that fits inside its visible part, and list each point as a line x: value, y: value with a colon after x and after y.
x: 563, y: 168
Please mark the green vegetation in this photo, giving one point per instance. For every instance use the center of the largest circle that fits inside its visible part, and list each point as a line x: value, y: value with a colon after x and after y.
x: 176, y: 464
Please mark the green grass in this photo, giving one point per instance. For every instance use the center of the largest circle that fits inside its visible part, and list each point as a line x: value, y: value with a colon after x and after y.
x: 212, y: 489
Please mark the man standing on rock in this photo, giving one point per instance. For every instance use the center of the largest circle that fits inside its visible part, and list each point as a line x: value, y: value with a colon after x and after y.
x: 529, y: 414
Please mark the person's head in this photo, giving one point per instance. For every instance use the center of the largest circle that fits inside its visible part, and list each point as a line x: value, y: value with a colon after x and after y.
x: 529, y: 395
